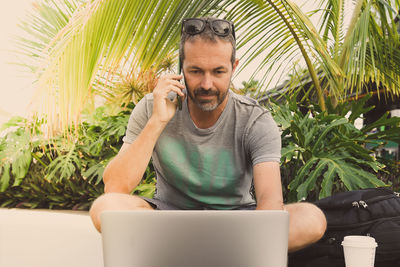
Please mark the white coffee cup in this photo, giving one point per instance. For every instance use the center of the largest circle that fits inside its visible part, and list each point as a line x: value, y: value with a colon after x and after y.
x: 359, y: 251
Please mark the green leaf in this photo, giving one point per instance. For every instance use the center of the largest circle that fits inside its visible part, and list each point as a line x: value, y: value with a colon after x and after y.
x: 5, y: 177
x: 391, y: 134
x: 322, y: 136
x: 20, y: 166
x: 309, y: 184
x: 297, y: 133
x: 382, y: 121
x: 15, y: 121
x: 358, y: 108
x: 290, y: 151
x: 327, y: 182
x: 145, y: 190
x: 95, y: 172
x: 303, y: 171
x: 282, y: 116
x: 15, y: 150
x: 355, y: 178
x: 64, y: 166
x: 7, y: 203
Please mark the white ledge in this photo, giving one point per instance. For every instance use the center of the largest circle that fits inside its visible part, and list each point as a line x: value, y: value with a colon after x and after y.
x: 46, y: 238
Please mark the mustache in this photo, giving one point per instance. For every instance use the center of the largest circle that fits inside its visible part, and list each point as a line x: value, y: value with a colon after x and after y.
x: 202, y: 91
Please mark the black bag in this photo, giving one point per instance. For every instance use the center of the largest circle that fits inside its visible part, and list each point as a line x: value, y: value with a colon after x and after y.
x: 374, y: 212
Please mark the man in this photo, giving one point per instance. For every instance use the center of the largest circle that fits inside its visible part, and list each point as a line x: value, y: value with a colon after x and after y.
x: 210, y: 154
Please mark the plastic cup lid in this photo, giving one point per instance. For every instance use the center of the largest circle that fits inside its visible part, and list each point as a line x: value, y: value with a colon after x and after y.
x: 359, y: 241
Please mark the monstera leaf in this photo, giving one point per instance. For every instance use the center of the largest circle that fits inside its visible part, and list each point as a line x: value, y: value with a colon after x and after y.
x: 15, y: 158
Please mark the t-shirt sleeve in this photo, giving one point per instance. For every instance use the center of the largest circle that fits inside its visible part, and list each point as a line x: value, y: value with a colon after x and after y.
x: 138, y: 119
x: 264, y: 140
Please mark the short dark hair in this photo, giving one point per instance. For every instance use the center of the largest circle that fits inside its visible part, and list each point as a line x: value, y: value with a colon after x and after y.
x: 207, y: 35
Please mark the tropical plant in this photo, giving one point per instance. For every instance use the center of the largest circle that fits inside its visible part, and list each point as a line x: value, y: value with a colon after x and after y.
x: 15, y: 156
x: 391, y: 174
x: 102, y: 40
x: 120, y: 90
x: 249, y: 88
x: 62, y: 174
x: 323, y: 152
x: 342, y: 59
x: 105, y: 37
x: 99, y: 43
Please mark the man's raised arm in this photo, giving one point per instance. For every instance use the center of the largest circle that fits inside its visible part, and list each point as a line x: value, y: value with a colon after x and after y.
x: 125, y: 171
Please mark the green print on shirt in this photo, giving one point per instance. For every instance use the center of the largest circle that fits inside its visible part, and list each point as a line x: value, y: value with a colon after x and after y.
x: 205, y: 173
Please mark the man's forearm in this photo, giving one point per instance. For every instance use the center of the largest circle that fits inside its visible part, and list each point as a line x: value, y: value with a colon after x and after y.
x: 268, y: 188
x: 126, y: 170
x: 269, y: 204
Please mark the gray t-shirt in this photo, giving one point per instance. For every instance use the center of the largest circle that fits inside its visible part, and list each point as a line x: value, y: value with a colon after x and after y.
x: 209, y: 167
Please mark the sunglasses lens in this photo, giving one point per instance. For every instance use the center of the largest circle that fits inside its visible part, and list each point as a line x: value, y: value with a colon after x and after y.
x: 221, y: 27
x: 193, y: 26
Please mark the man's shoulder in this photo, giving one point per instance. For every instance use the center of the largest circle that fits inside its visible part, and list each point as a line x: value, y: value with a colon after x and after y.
x: 246, y: 102
x: 148, y: 97
x: 146, y: 101
x: 249, y: 110
x: 144, y: 107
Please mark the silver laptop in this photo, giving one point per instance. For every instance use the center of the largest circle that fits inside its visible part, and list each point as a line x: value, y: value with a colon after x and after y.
x: 195, y: 238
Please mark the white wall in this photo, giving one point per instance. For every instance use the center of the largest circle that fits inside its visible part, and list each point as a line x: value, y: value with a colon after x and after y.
x: 15, y: 86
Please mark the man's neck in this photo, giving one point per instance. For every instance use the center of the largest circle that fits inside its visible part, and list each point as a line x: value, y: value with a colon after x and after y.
x: 205, y: 119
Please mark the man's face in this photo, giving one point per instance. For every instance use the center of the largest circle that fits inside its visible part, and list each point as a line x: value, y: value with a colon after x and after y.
x: 208, y: 70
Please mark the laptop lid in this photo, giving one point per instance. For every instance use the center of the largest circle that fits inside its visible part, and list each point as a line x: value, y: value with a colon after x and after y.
x: 195, y: 238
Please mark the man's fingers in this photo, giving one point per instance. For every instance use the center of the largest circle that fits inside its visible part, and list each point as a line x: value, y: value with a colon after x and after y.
x: 178, y: 84
x: 166, y: 81
x: 173, y: 77
x: 176, y: 90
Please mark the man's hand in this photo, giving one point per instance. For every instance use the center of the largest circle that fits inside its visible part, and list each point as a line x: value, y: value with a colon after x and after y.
x: 163, y: 108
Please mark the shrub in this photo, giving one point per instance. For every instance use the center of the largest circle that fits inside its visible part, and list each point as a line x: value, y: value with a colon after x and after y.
x: 323, y: 152
x: 61, y: 174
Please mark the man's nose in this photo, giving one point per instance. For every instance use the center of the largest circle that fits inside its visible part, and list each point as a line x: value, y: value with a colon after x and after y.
x: 206, y: 82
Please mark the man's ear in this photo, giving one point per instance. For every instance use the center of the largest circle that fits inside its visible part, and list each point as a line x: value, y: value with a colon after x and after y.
x: 235, y: 65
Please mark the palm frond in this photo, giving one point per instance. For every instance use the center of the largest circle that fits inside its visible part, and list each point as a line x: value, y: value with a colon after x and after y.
x: 116, y: 34
x: 40, y: 26
x: 276, y: 31
x: 333, y: 24
x: 371, y: 49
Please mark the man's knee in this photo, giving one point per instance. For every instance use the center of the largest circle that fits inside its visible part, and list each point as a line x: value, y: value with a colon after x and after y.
x: 318, y: 218
x: 115, y: 201
x: 308, y: 211
x: 307, y: 224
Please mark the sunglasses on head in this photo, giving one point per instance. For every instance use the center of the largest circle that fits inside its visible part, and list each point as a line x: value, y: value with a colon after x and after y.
x: 220, y: 27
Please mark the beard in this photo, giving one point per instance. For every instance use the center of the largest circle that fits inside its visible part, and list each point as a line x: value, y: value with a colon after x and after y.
x: 207, y: 104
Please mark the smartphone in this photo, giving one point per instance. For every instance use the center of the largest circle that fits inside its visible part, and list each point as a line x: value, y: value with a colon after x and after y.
x: 172, y: 95
x: 183, y: 82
